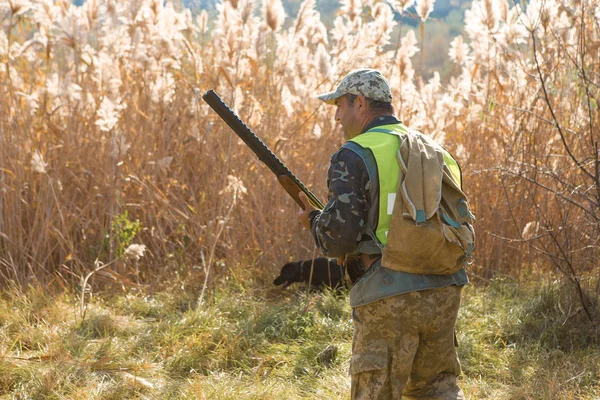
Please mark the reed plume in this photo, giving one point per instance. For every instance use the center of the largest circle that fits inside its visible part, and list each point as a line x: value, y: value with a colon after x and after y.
x: 101, y: 121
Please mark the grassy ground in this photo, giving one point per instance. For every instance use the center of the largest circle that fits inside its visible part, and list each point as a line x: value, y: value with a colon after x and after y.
x: 249, y: 342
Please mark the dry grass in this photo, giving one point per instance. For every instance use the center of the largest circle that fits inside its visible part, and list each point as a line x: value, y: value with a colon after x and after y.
x: 100, y: 122
x: 104, y: 144
x: 252, y: 342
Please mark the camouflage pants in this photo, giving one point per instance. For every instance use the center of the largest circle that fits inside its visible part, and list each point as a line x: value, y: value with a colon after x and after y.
x: 404, y: 345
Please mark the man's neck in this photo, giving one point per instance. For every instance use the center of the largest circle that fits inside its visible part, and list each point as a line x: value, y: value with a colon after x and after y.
x: 381, y: 119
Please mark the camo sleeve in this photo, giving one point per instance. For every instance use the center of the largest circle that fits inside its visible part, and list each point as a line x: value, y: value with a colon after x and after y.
x: 340, y: 227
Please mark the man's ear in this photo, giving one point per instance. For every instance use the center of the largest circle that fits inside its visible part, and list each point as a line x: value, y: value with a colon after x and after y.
x: 362, y: 101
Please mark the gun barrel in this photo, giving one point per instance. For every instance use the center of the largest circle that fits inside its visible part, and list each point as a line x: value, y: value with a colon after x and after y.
x: 257, y: 146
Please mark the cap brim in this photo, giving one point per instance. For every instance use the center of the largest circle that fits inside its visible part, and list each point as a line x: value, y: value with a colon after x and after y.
x: 330, y: 97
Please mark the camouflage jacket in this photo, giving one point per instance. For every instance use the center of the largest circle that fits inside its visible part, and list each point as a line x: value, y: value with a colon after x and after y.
x: 353, y: 203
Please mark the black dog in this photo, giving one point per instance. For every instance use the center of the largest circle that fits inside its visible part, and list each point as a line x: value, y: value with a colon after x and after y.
x: 326, y: 273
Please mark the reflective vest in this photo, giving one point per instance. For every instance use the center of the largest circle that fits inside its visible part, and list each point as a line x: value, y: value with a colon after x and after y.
x: 384, y: 145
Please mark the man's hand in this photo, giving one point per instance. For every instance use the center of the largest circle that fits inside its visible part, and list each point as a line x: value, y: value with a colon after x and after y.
x: 303, y: 214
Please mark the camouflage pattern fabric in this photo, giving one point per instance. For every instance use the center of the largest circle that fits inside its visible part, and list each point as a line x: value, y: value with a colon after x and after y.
x: 367, y: 82
x: 353, y: 201
x: 341, y: 225
x: 404, y: 346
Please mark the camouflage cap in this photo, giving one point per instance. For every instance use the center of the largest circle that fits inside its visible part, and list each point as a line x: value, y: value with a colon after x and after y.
x: 367, y: 82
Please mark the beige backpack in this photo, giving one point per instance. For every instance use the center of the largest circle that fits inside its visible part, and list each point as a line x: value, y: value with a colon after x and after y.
x: 444, y: 242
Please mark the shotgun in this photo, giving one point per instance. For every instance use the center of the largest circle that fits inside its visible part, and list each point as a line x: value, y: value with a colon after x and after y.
x: 286, y: 178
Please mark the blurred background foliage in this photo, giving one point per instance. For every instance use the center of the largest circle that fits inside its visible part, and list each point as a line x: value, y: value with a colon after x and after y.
x: 102, y: 127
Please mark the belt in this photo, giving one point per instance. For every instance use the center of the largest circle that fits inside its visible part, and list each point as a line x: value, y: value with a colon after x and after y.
x: 357, y: 266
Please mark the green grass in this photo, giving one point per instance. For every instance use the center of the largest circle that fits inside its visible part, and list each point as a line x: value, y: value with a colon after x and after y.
x: 523, y: 342
x: 515, y: 342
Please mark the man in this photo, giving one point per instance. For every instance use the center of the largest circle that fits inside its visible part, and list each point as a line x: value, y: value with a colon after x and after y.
x: 404, y: 343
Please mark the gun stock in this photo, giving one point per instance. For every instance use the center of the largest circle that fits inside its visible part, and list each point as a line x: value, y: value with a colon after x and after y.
x: 286, y: 178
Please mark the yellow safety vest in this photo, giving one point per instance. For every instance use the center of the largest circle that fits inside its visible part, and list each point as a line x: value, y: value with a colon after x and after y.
x: 384, y: 143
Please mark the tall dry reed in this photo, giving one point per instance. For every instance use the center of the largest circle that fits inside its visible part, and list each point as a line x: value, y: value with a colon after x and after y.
x: 101, y: 118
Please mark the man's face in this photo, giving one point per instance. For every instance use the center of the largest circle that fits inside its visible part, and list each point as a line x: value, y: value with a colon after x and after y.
x: 346, y: 114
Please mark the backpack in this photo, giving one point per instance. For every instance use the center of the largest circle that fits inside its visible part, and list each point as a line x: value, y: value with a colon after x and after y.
x: 430, y: 232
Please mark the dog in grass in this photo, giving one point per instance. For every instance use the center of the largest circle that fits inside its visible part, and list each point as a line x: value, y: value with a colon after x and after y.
x: 326, y: 272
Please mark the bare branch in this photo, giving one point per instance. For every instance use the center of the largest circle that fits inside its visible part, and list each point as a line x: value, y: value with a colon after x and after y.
x: 571, y: 273
x: 567, y: 185
x: 551, y: 109
x: 552, y: 191
x: 593, y: 141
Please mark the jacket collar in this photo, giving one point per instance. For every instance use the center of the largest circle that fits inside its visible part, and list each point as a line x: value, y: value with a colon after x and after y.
x: 384, y: 120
